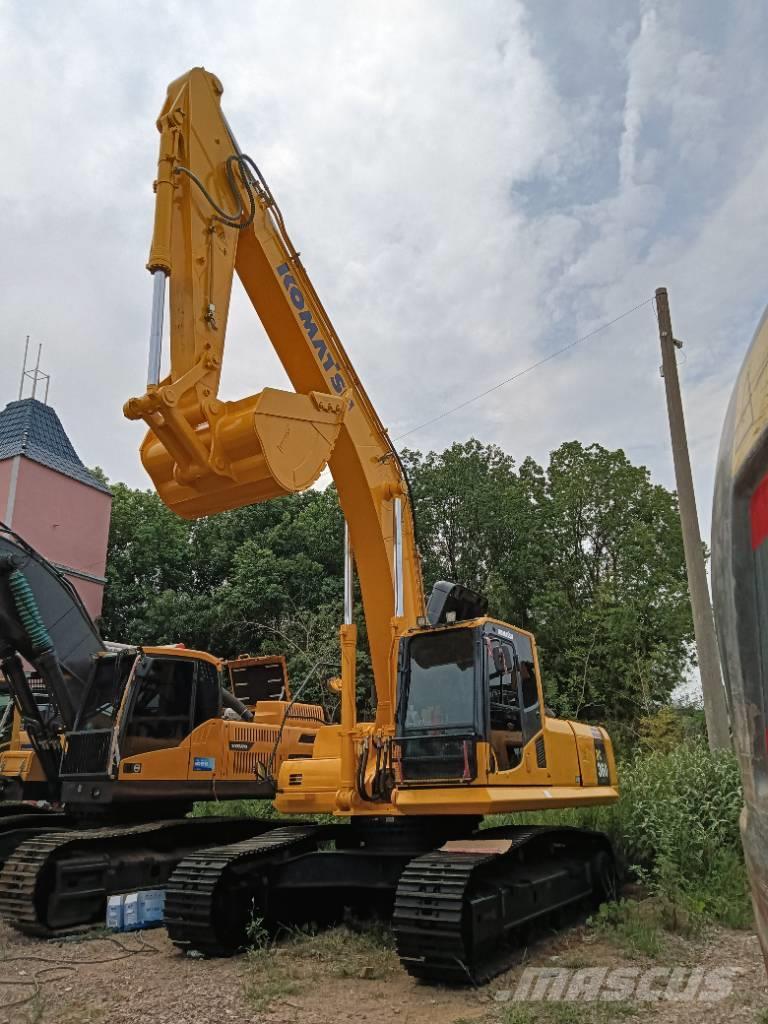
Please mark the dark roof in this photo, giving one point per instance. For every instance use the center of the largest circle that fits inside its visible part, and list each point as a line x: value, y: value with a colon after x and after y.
x: 30, y: 428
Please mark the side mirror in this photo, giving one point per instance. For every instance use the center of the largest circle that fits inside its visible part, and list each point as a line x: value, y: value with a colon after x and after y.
x: 502, y: 659
x: 143, y: 668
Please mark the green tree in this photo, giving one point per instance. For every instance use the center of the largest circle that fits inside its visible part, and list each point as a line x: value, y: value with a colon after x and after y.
x: 474, y: 520
x: 612, y: 616
x: 148, y: 555
x: 586, y: 553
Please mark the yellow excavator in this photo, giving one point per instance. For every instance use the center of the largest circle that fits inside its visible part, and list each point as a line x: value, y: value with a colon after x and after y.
x: 21, y: 774
x: 122, y: 740
x: 460, y: 730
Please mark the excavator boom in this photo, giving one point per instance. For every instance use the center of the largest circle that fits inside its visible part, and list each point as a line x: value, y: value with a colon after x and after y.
x: 215, y: 215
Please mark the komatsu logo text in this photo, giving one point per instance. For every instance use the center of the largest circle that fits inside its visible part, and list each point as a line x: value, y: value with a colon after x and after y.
x: 325, y: 358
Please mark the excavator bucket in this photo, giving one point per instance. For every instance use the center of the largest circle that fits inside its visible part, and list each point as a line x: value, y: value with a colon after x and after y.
x: 262, y: 447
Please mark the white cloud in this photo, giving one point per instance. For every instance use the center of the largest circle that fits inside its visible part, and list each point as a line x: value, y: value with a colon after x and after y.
x: 471, y: 186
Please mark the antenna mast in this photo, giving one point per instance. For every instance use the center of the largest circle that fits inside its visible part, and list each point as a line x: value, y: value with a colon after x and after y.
x: 36, y: 375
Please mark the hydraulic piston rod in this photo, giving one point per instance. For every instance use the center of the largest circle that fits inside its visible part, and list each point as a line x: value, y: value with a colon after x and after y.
x: 156, y: 327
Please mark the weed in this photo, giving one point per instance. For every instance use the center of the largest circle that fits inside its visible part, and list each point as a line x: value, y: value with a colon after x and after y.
x: 258, y: 935
x: 267, y: 980
x: 635, y: 927
x: 575, y: 960
x: 263, y: 810
x: 719, y: 893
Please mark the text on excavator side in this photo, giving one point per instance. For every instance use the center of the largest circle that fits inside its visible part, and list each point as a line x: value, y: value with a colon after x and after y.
x: 296, y: 296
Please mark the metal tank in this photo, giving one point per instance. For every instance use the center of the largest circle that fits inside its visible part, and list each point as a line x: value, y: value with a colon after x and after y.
x: 740, y: 592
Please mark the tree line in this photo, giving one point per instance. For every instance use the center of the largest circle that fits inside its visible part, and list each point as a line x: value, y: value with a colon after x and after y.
x: 586, y: 552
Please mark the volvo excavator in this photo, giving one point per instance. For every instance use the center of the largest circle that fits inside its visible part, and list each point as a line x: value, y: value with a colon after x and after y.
x: 460, y: 729
x: 124, y: 741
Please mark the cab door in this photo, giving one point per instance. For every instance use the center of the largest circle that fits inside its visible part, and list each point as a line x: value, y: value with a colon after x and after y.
x: 514, y: 711
x: 159, y: 718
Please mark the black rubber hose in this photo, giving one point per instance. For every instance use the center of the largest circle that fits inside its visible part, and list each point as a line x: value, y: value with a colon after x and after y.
x: 229, y: 700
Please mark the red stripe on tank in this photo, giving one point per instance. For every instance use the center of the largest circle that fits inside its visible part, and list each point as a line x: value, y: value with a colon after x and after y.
x: 758, y: 513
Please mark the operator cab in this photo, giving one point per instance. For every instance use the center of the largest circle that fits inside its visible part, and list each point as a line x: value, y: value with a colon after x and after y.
x: 137, y: 702
x: 460, y: 686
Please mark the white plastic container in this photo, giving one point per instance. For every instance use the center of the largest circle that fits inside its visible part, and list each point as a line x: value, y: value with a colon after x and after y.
x: 115, y: 912
x: 151, y: 907
x: 131, y: 912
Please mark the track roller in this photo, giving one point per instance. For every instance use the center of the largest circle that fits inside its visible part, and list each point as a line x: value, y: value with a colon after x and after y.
x: 459, y: 909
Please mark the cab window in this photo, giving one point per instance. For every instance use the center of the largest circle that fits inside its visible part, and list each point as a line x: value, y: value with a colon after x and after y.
x: 440, y: 690
x: 502, y: 686
x: 529, y: 690
x: 504, y: 704
x: 161, y: 712
x: 513, y: 698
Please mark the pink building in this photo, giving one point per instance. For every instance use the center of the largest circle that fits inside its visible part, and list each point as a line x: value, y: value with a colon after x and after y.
x: 51, y: 500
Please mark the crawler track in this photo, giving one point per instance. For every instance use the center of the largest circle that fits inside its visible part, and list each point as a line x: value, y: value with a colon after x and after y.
x: 458, y: 911
x: 16, y: 807
x: 213, y: 894
x: 59, y: 882
x: 26, y: 822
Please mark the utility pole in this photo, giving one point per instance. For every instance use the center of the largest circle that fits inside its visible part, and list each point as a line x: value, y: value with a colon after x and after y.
x: 715, y: 708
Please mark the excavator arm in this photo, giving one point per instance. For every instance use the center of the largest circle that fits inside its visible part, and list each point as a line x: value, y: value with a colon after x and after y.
x: 215, y: 215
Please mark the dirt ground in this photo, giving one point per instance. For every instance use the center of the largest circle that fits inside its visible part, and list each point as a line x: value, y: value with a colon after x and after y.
x: 343, y: 975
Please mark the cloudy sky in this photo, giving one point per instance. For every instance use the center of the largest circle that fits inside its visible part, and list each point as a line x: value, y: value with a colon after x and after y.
x: 472, y: 185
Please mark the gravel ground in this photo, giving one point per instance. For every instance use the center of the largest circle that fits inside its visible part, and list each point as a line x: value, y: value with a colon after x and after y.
x: 341, y: 976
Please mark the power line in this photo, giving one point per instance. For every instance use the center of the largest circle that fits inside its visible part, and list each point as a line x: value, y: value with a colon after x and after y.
x: 521, y: 373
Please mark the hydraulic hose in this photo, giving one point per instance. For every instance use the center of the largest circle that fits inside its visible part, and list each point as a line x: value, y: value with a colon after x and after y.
x: 43, y: 652
x: 229, y: 700
x: 26, y: 606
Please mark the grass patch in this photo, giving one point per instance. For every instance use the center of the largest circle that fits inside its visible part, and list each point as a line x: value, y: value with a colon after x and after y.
x: 568, y: 1013
x: 263, y: 810
x: 347, y: 951
x: 278, y: 968
x: 634, y: 927
x: 268, y: 979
